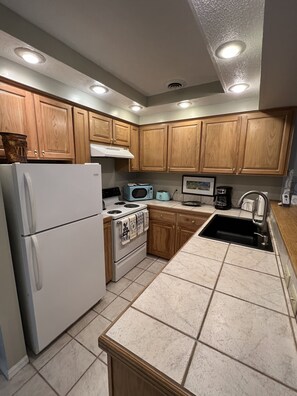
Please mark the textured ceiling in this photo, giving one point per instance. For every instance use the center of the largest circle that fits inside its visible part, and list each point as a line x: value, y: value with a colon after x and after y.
x: 136, y: 47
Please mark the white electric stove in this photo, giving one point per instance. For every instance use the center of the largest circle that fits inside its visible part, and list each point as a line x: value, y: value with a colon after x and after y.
x: 125, y: 256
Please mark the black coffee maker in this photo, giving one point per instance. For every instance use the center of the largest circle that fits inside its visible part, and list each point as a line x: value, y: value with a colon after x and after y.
x: 223, y: 197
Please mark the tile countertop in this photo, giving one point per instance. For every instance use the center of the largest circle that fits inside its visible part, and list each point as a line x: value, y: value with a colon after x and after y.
x: 215, y: 321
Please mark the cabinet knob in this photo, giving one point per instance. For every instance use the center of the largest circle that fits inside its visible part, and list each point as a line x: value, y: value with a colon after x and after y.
x: 43, y: 152
x: 35, y: 152
x: 193, y: 221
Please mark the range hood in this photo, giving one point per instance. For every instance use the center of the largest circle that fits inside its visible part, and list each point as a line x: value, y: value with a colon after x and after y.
x: 99, y: 150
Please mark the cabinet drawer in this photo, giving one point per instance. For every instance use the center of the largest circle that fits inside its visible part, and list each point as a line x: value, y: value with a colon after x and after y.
x: 191, y: 221
x: 162, y: 215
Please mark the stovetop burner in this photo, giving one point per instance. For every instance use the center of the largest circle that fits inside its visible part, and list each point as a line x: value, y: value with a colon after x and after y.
x: 114, y: 212
x: 120, y: 203
x: 131, y: 206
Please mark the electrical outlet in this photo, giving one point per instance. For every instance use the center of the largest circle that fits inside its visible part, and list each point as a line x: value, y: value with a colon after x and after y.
x: 293, y: 297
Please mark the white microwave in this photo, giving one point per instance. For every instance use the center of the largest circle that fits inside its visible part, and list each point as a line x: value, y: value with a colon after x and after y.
x: 138, y: 192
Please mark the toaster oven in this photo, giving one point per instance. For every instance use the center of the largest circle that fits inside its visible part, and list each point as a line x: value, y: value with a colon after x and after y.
x: 138, y: 192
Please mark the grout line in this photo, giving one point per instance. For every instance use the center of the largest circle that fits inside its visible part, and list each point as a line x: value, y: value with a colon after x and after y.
x: 80, y: 377
x: 254, y: 270
x: 188, y: 280
x: 189, y: 364
x: 35, y: 372
x: 42, y: 377
x: 247, y: 365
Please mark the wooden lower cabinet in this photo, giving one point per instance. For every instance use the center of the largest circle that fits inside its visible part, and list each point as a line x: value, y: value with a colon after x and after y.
x: 170, y: 229
x: 107, y: 248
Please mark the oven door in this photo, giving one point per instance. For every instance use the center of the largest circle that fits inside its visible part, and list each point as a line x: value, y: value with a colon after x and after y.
x: 119, y: 250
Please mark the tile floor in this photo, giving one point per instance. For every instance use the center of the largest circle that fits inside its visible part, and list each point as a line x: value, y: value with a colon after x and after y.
x: 74, y: 365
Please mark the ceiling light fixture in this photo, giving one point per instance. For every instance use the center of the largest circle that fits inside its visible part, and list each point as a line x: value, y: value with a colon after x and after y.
x: 135, y: 107
x: 29, y: 55
x: 230, y: 50
x: 238, y: 88
x: 184, y: 104
x: 99, y: 89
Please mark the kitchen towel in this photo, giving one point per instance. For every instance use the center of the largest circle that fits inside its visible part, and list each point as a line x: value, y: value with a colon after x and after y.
x: 139, y: 221
x: 145, y: 219
x: 133, y: 226
x: 125, y: 230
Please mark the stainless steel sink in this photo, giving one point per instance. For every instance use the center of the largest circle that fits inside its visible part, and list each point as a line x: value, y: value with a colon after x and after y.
x: 237, y: 230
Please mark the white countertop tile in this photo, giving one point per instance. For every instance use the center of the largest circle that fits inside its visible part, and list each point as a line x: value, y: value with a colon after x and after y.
x: 258, y: 288
x: 254, y: 335
x: 206, y: 248
x: 176, y: 302
x: 159, y: 345
x: 201, y: 270
x: 211, y: 373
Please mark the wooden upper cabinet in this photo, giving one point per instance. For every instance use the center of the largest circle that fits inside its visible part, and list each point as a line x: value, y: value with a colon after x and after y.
x: 17, y: 115
x: 100, y: 128
x: 265, y: 142
x: 134, y: 148
x: 184, y: 146
x: 55, y: 130
x: 153, y: 148
x: 219, y: 144
x: 121, y: 133
x: 81, y: 135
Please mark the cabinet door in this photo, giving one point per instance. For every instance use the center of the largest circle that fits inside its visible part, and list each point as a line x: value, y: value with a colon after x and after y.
x: 121, y: 133
x: 134, y: 148
x: 182, y: 236
x: 17, y: 115
x: 153, y: 148
x: 265, y: 143
x: 219, y: 144
x: 184, y: 146
x: 161, y: 239
x: 81, y: 135
x: 55, y: 130
x: 107, y: 250
x: 100, y: 128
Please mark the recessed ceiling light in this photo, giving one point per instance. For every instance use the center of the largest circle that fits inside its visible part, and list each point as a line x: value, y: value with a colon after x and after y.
x: 99, y: 89
x: 29, y: 55
x: 230, y: 49
x: 184, y: 104
x: 135, y: 107
x: 238, y: 88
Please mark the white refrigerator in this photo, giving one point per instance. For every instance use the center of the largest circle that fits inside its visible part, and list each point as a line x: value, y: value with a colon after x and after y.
x: 56, y: 235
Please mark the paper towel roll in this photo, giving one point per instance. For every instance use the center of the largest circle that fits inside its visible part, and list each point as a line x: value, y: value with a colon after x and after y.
x: 260, y: 206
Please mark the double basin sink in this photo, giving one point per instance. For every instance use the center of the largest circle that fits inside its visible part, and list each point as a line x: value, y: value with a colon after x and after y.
x: 236, y: 230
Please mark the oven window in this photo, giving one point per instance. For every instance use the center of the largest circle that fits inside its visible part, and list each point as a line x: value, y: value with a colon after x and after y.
x: 139, y: 193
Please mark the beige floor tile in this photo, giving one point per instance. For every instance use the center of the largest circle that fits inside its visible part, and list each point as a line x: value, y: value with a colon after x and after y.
x: 65, y: 369
x: 105, y: 301
x: 157, y: 266
x: 145, y: 278
x: 256, y: 336
x: 89, y: 335
x: 134, y: 273
x: 252, y: 286
x: 144, y: 264
x: 231, y: 378
x: 115, y: 308
x: 119, y: 286
x: 93, y: 383
x: 8, y: 388
x: 103, y: 357
x: 36, y: 387
x: 38, y: 361
x: 82, y: 323
x: 132, y: 291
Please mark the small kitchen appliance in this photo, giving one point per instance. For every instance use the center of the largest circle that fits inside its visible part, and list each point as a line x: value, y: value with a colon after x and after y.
x: 162, y: 195
x: 223, y: 197
x: 138, y: 191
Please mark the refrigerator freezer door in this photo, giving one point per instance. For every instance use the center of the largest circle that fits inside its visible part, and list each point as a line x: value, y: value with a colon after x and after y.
x: 50, y: 195
x: 65, y: 277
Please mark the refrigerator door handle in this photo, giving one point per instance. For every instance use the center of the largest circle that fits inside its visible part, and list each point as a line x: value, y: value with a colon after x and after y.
x: 37, y: 267
x: 30, y: 202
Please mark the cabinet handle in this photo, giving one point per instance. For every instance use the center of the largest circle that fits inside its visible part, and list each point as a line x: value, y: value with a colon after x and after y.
x: 233, y: 170
x: 35, y: 152
x: 43, y: 152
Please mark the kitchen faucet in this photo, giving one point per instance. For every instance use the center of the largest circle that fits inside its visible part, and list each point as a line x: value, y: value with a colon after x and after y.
x: 263, y: 223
